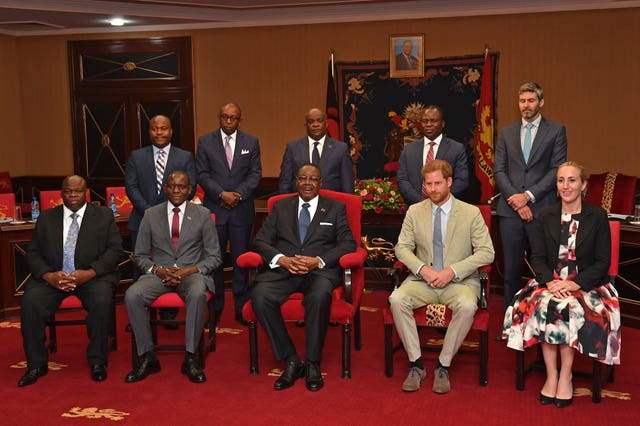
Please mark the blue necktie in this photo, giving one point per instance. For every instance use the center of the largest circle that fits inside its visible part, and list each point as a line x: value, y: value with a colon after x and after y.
x: 69, y: 250
x: 303, y: 221
x: 437, y: 241
x: 526, y: 149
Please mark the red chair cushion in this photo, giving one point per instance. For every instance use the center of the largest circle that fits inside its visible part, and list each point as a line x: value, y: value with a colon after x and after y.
x: 171, y: 300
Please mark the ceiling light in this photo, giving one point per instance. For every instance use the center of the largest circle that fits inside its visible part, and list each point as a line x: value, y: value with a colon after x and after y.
x: 116, y: 22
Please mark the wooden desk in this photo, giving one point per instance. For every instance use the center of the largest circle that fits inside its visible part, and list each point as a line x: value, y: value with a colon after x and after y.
x: 14, y: 271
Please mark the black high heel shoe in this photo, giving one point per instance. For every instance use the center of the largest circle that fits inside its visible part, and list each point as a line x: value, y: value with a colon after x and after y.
x: 563, y: 403
x: 546, y: 400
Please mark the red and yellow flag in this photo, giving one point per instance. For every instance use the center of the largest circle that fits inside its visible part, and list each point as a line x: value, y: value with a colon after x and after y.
x: 485, y: 131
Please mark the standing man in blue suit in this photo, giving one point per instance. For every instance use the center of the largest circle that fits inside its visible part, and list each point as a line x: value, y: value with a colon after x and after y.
x: 330, y: 155
x: 527, y: 157
x: 229, y: 171
x: 145, y: 175
x: 434, y: 145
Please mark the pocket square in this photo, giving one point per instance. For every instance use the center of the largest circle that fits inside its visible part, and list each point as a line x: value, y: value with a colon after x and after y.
x: 244, y: 151
x: 326, y: 224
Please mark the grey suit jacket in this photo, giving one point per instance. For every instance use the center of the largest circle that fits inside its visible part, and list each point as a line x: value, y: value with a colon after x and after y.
x: 467, y: 244
x: 336, y: 166
x: 198, y: 244
x: 215, y: 176
x: 410, y: 168
x: 514, y: 176
x: 140, y: 179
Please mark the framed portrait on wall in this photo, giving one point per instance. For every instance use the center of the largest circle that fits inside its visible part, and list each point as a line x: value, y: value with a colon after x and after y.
x: 406, y: 55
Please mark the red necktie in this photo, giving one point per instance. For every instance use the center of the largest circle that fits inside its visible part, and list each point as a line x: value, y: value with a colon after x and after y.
x: 430, y: 157
x: 175, y: 227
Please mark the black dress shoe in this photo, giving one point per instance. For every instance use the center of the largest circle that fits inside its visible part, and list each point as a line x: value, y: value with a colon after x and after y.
x: 31, y: 376
x: 98, y: 372
x: 192, y: 370
x: 562, y: 403
x: 546, y: 400
x: 291, y: 373
x: 314, y: 377
x: 145, y: 368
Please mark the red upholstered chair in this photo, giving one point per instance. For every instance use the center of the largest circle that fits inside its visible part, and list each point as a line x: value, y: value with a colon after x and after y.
x: 72, y: 303
x: 480, y: 320
x: 7, y: 205
x: 122, y: 201
x: 173, y: 300
x: 615, y: 192
x: 597, y: 376
x: 199, y: 195
x: 6, y: 186
x: 50, y: 199
x: 345, y: 305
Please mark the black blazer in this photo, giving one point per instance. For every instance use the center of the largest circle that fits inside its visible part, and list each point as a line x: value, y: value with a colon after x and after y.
x: 328, y: 236
x: 593, y: 246
x: 140, y: 179
x: 99, y: 244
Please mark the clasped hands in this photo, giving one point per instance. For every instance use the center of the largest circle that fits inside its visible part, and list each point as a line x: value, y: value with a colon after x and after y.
x: 229, y: 199
x: 518, y: 202
x: 435, y: 279
x: 299, y: 264
x: 173, y: 275
x: 562, y: 288
x: 68, y: 282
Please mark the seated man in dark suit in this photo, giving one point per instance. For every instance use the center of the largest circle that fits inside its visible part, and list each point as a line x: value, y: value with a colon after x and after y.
x: 75, y: 249
x: 434, y: 145
x: 330, y: 155
x: 301, y: 242
x: 177, y: 248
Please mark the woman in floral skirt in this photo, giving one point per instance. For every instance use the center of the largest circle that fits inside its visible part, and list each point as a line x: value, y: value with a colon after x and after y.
x: 570, y: 305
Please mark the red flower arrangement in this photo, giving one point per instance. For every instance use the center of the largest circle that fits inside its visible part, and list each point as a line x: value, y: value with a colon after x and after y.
x: 379, y: 194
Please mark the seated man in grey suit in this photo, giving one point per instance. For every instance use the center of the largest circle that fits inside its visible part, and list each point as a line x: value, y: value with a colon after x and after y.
x: 301, y: 241
x: 75, y: 249
x: 443, y: 242
x: 433, y: 146
x: 177, y: 248
x: 331, y: 156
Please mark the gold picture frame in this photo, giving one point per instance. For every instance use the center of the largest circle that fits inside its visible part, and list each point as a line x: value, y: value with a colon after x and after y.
x: 406, y: 55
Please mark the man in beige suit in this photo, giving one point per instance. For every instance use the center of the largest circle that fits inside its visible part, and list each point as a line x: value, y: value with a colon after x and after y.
x: 443, y: 242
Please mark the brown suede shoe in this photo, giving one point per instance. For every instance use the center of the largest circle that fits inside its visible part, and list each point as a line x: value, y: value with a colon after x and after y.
x: 414, y: 379
x: 441, y: 383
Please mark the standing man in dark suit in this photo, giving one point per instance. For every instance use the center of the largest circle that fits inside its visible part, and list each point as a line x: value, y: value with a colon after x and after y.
x: 147, y: 171
x: 330, y: 155
x: 301, y: 241
x: 177, y: 249
x: 527, y: 157
x: 434, y: 145
x: 145, y: 175
x: 229, y: 171
x: 75, y: 249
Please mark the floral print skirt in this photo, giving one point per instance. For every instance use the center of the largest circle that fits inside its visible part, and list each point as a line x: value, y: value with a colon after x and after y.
x: 587, y: 321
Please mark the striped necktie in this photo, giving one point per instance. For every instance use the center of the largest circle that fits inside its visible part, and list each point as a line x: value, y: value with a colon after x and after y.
x: 69, y: 248
x: 160, y: 163
x: 438, y: 248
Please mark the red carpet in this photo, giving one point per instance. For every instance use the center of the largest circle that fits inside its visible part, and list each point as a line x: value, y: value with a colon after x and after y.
x: 232, y: 396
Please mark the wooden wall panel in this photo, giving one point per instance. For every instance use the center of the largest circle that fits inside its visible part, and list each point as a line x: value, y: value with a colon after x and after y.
x: 585, y: 61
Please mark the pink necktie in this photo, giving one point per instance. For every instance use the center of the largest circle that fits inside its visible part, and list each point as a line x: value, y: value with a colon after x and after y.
x: 227, y: 150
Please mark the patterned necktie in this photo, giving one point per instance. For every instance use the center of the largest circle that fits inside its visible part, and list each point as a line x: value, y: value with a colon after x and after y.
x: 303, y: 221
x: 69, y: 249
x: 175, y: 227
x: 160, y: 163
x: 227, y: 150
x: 437, y: 241
x: 526, y: 149
x: 315, y: 154
x: 430, y: 157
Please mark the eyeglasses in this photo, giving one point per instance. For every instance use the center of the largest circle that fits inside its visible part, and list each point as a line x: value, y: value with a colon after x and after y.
x: 225, y: 117
x: 178, y: 186
x: 313, y: 179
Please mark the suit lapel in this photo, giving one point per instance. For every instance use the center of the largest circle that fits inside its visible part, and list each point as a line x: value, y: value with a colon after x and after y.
x: 539, y: 140
x: 319, y: 216
x: 187, y: 223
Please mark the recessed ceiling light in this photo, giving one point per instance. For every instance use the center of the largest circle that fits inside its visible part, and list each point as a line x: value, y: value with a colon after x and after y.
x: 116, y: 22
